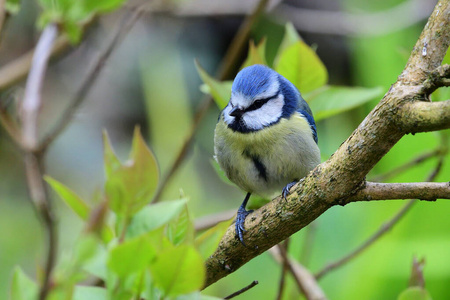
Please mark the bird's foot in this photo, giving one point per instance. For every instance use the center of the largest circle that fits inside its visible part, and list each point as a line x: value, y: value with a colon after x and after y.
x: 240, y: 220
x: 285, y: 192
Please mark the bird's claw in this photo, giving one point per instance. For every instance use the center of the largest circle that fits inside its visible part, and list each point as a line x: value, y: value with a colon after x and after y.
x: 240, y: 220
x: 285, y: 192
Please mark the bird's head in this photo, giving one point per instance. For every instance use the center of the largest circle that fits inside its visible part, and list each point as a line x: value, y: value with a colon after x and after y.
x: 260, y: 97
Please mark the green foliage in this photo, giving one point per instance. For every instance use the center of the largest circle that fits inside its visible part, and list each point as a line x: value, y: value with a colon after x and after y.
x: 301, y: 66
x: 414, y: 293
x: 22, y: 287
x: 257, y: 54
x: 89, y: 293
x: 131, y: 256
x: 12, y: 6
x: 178, y: 270
x: 151, y: 252
x: 154, y: 216
x: 69, y: 197
x: 72, y: 15
x: 131, y: 185
x: 328, y: 101
x: 207, y: 242
x: 220, y: 91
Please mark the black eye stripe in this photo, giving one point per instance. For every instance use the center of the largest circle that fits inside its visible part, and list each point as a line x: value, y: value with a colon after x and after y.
x: 260, y: 102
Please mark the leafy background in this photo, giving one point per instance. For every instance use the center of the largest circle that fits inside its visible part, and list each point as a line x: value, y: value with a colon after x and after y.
x: 152, y: 80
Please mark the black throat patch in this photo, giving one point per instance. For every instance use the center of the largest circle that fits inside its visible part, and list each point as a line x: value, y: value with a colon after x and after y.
x: 260, y: 167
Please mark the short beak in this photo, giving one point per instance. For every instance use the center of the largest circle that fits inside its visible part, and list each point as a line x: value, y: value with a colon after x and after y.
x: 236, y: 112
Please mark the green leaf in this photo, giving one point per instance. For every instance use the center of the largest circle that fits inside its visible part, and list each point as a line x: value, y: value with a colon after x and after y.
x: 290, y: 38
x: 208, y: 241
x: 256, y: 54
x: 332, y: 100
x: 69, y: 197
x: 414, y: 293
x: 12, y: 6
x: 131, y: 256
x: 220, y: 91
x: 111, y: 162
x: 73, y: 14
x: 99, y: 6
x: 181, y: 229
x: 89, y: 293
x: 73, y: 31
x: 133, y: 184
x: 22, y: 287
x: 178, y: 271
x: 97, y: 264
x: 301, y: 66
x: 154, y: 216
x: 84, y: 249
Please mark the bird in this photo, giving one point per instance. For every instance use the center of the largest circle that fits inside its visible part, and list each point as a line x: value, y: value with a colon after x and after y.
x: 265, y: 139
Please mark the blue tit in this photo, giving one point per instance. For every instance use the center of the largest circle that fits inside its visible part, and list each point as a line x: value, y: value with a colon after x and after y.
x: 265, y: 139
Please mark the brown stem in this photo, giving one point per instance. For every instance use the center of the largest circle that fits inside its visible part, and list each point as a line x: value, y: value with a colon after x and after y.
x: 304, y: 279
x: 283, y: 248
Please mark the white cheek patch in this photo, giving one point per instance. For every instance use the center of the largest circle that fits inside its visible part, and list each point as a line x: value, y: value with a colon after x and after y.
x: 226, y: 114
x: 269, y: 113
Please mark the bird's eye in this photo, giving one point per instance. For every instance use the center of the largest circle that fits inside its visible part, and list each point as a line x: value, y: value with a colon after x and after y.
x: 258, y: 103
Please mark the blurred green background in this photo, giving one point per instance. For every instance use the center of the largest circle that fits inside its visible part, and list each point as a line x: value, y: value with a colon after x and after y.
x: 151, y: 80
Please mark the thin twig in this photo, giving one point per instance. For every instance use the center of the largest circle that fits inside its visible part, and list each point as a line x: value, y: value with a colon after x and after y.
x: 11, y: 127
x: 19, y: 68
x: 90, y: 79
x: 242, y: 290
x: 208, y: 221
x: 306, y: 282
x: 381, y: 231
x: 400, y: 169
x: 227, y: 64
x: 32, y: 99
x: 33, y: 161
x: 283, y: 247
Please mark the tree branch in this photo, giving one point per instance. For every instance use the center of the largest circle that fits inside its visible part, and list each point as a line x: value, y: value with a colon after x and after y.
x: 423, y: 116
x: 429, y: 191
x: 438, y: 78
x: 342, y: 176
